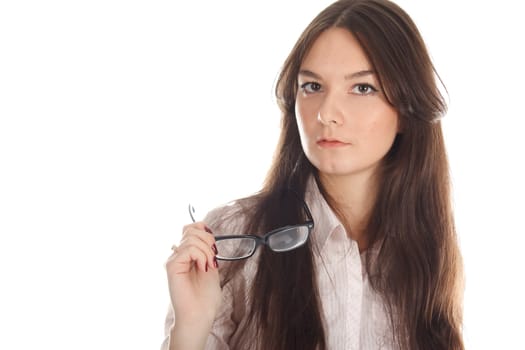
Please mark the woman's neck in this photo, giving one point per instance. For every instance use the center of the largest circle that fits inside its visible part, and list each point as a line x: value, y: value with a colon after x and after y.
x: 353, y: 197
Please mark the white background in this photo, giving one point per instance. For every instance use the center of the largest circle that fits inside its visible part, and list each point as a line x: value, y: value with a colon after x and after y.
x: 115, y: 114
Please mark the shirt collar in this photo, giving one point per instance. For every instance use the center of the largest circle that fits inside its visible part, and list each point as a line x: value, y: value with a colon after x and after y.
x: 325, y: 220
x: 326, y: 223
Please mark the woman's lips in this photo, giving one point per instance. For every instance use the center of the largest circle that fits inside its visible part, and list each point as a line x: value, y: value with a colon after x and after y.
x: 331, y: 143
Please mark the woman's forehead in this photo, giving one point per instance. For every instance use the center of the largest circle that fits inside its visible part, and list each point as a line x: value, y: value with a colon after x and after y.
x: 336, y: 50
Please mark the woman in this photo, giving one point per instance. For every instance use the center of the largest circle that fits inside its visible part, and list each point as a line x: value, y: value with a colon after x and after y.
x: 377, y: 264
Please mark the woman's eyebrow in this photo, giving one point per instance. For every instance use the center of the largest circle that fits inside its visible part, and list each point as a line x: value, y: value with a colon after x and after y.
x: 358, y: 74
x: 309, y: 74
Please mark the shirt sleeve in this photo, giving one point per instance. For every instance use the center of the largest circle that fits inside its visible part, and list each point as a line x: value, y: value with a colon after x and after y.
x: 222, y: 329
x: 170, y: 317
x: 224, y: 326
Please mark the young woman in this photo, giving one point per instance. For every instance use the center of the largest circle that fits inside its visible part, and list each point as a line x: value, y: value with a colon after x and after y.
x: 359, y: 246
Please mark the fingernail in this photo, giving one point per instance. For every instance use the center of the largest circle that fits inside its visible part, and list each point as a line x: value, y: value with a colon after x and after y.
x: 214, y: 248
x: 215, y: 263
x: 207, y: 229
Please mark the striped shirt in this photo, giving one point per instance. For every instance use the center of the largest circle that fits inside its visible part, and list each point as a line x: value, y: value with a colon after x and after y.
x: 354, y: 315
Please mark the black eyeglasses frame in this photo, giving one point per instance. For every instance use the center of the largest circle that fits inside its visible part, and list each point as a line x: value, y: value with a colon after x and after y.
x: 263, y: 240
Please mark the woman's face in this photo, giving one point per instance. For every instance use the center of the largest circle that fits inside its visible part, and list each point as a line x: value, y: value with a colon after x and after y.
x: 345, y: 123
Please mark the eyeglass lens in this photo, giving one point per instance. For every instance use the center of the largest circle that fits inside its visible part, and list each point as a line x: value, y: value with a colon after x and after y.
x: 288, y: 239
x: 235, y: 248
x: 281, y: 241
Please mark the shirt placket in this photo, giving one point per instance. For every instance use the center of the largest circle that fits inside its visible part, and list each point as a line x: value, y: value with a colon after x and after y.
x: 343, y: 289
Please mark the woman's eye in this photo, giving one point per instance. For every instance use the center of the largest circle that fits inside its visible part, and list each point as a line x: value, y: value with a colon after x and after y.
x: 364, y: 89
x: 310, y: 87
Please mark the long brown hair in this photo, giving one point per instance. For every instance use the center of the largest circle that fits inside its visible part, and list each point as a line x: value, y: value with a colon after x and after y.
x: 418, y: 268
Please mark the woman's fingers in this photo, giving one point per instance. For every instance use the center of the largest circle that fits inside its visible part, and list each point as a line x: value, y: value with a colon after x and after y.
x: 201, y: 231
x: 197, y: 232
x: 186, y: 258
x: 191, y: 240
x: 197, y: 247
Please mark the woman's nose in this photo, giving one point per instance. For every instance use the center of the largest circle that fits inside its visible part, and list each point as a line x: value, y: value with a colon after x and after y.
x: 330, y: 112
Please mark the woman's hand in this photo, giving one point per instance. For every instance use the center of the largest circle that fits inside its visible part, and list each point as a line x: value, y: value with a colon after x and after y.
x: 194, y: 286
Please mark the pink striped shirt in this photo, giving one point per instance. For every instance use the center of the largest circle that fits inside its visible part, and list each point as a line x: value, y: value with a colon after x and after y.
x: 354, y: 315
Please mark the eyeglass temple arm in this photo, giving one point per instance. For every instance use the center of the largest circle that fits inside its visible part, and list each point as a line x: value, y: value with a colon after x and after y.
x: 191, y: 209
x: 305, y: 206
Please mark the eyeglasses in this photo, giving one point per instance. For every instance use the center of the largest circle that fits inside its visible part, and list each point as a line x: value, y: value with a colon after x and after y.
x: 283, y: 239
